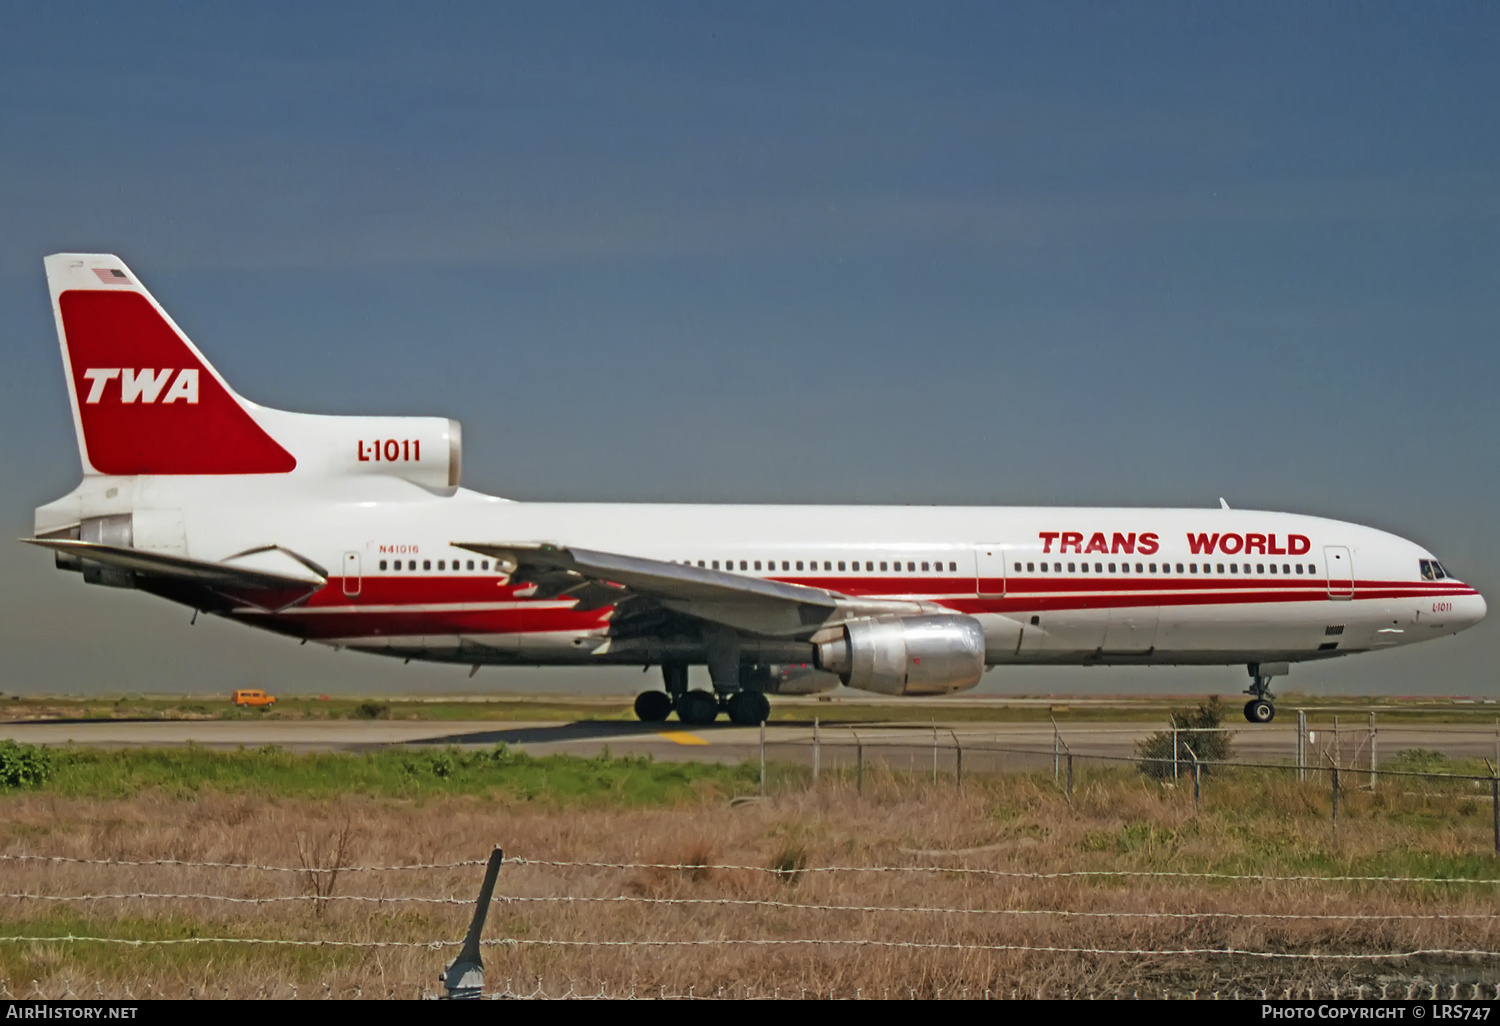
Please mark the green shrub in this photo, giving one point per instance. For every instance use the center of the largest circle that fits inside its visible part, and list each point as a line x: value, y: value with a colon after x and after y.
x: 23, y: 765
x: 1420, y: 760
x: 1193, y: 731
x: 372, y: 710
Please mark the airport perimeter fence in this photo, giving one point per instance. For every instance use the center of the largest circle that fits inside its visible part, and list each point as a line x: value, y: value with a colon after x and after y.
x: 1339, y: 761
x: 562, y: 886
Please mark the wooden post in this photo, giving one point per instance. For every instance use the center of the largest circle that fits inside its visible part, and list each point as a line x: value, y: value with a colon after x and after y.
x: 1373, y: 752
x: 817, y: 750
x: 762, y: 758
x: 1070, y: 776
x: 859, y: 765
x: 1335, y: 775
x: 1495, y: 808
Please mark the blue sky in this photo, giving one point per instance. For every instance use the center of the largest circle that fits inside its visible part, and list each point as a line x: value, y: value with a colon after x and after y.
x: 1142, y: 254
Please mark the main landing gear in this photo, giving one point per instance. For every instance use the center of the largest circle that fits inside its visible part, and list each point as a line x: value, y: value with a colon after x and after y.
x: 698, y: 708
x: 1260, y: 708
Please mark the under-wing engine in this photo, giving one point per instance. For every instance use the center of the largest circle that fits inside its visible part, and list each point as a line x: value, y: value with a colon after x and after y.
x: 907, y: 655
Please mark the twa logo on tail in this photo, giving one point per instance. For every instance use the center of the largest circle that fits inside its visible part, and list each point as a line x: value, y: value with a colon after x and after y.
x: 144, y: 384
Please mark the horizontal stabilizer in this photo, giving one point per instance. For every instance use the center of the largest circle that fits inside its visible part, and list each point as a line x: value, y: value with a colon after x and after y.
x: 293, y: 580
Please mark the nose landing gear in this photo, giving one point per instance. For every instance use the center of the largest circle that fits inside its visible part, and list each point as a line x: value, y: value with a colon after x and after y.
x: 1260, y: 708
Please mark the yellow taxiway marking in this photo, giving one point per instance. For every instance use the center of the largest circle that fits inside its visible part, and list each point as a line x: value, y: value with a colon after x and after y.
x: 682, y: 737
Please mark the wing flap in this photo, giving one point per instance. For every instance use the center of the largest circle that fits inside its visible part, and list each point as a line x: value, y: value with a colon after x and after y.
x: 750, y: 603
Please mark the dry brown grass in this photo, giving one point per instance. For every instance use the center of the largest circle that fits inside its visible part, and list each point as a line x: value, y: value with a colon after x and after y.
x: 1017, y: 823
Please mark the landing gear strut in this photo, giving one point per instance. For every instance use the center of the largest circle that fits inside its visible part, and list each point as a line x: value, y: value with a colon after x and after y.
x: 1260, y: 708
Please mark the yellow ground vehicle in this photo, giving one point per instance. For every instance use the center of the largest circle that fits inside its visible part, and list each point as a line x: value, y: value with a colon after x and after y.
x: 251, y: 696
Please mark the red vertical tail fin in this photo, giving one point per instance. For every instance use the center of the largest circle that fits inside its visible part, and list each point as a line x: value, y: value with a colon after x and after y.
x: 145, y: 401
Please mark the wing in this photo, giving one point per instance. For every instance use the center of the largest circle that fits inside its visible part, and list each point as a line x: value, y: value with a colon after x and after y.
x: 605, y: 578
x: 293, y: 580
x: 746, y: 603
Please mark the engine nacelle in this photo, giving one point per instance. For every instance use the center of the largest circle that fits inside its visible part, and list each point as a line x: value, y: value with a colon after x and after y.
x: 907, y: 655
x: 801, y: 679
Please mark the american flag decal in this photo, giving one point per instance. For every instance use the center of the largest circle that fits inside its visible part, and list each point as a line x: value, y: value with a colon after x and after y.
x: 110, y: 276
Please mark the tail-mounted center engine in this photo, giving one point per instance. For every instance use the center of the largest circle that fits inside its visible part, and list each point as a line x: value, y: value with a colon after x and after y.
x: 907, y: 655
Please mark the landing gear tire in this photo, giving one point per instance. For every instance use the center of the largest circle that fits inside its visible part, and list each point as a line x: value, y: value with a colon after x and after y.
x: 747, y: 708
x: 697, y: 708
x: 1258, y: 710
x: 653, y: 706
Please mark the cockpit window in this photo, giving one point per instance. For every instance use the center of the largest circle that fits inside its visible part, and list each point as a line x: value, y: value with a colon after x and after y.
x: 1432, y: 570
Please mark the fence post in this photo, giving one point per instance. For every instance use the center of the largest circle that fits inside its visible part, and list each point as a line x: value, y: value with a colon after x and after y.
x: 464, y: 977
x: 1495, y: 809
x: 817, y: 750
x: 1334, y: 773
x: 1373, y: 759
x: 1070, y: 776
x: 934, y: 752
x: 859, y: 765
x: 958, y: 762
x: 1197, y: 776
x: 1302, y: 744
x: 762, y: 758
x: 1174, y: 748
x: 1056, y: 749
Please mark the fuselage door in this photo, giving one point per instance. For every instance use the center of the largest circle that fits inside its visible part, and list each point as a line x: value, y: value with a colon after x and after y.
x: 1340, y: 567
x: 989, y: 571
x: 351, y: 574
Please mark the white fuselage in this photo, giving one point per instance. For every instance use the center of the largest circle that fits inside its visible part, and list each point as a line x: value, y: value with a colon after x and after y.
x: 1049, y: 585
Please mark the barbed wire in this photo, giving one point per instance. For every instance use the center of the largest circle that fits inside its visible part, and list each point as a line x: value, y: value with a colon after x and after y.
x: 763, y: 903
x: 600, y: 990
x: 696, y: 867
x: 188, y: 863
x: 1001, y: 873
x: 778, y: 942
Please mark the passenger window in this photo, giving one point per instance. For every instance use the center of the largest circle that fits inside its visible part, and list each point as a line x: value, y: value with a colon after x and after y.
x: 382, y: 564
x: 911, y: 567
x: 757, y: 564
x: 1030, y: 568
x: 928, y: 566
x: 411, y: 564
x: 1192, y: 568
x: 883, y: 567
x: 1083, y: 568
x: 1018, y: 568
x: 1098, y: 568
x: 1221, y: 567
x: 485, y: 565
x: 786, y: 565
x: 1153, y: 568
x: 799, y: 564
x: 700, y: 562
x: 1299, y: 568
x: 716, y: 564
x: 1312, y: 568
x: 1234, y: 568
x: 1111, y: 568
x: 426, y: 564
x: 1072, y: 568
x: 1260, y: 568
x: 442, y: 565
x: 744, y: 565
x: 869, y: 565
x: 841, y: 564
x: 1179, y: 568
